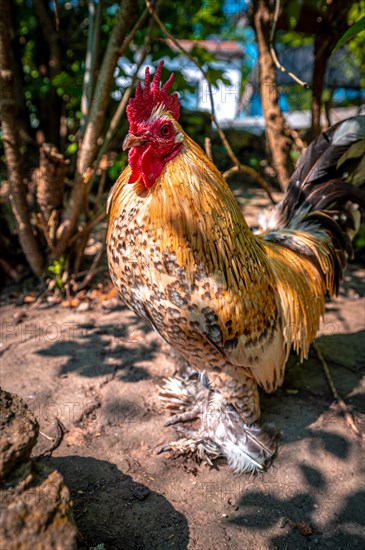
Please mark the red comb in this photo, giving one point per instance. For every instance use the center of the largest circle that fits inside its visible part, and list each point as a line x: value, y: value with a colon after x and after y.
x: 141, y: 106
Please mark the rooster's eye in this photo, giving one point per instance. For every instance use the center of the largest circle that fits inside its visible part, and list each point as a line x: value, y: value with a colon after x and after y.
x: 165, y: 130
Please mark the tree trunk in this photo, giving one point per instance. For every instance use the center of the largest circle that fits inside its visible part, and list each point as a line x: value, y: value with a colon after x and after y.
x: 18, y: 200
x: 51, y: 103
x: 50, y: 183
x: 277, y: 136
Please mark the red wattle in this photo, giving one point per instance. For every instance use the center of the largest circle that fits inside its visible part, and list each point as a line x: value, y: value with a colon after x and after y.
x: 146, y: 164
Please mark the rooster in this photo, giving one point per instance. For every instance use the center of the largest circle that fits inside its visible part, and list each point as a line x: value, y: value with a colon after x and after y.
x: 231, y: 302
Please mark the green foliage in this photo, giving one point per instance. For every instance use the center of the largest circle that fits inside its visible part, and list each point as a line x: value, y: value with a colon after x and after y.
x: 292, y: 11
x: 41, y: 83
x: 356, y: 43
x: 209, y: 16
x: 357, y: 28
x: 295, y: 39
x: 57, y: 269
x: 117, y: 166
x: 359, y: 240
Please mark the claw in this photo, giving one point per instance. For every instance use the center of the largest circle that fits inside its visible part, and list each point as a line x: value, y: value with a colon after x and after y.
x: 187, y: 416
x: 164, y: 448
x: 202, y: 450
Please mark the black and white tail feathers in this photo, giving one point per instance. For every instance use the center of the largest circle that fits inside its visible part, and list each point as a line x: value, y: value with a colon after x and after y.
x: 330, y: 173
x: 324, y: 193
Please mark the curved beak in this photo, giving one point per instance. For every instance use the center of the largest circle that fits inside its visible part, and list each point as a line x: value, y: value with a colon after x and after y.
x: 131, y: 140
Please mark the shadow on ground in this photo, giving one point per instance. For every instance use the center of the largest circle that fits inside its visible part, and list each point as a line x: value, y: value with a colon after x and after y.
x: 317, y: 477
x: 301, y: 509
x: 110, y: 508
x: 304, y: 404
x: 90, y: 346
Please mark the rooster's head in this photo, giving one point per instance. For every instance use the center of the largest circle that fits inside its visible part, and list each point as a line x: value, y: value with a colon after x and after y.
x: 154, y: 137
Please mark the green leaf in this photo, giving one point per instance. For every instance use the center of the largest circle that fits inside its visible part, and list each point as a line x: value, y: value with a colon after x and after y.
x: 71, y: 149
x: 355, y: 29
x: 293, y: 12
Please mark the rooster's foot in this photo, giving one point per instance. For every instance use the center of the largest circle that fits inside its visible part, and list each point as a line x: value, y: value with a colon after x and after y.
x: 222, y: 432
x: 192, y: 446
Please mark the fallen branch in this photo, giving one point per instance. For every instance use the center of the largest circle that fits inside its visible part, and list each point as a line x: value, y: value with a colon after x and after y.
x: 240, y: 167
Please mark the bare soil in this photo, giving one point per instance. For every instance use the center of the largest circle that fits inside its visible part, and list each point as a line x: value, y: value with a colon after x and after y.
x: 97, y: 369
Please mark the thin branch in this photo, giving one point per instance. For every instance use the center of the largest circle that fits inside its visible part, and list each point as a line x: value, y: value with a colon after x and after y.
x: 348, y: 416
x: 273, y: 52
x: 96, y: 45
x: 43, y: 14
x: 44, y: 227
x: 133, y: 32
x: 236, y: 170
x: 57, y: 19
x: 240, y: 167
x: 87, y: 229
x: 93, y: 268
x: 229, y: 172
x: 99, y: 194
x: 89, y: 64
x: 299, y: 143
x: 208, y: 147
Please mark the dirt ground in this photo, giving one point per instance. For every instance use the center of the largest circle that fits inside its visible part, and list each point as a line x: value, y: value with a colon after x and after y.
x: 97, y: 368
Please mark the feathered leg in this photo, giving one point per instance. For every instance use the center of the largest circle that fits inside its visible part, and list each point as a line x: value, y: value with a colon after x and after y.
x: 245, y: 445
x: 227, y: 410
x: 239, y: 390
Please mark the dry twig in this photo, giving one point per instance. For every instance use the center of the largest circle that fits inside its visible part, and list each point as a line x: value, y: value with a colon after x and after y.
x: 273, y: 52
x: 61, y: 430
x: 93, y: 269
x: 208, y: 148
x: 344, y: 408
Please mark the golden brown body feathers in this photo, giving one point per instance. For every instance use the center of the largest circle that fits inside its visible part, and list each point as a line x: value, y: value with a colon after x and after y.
x: 182, y: 257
